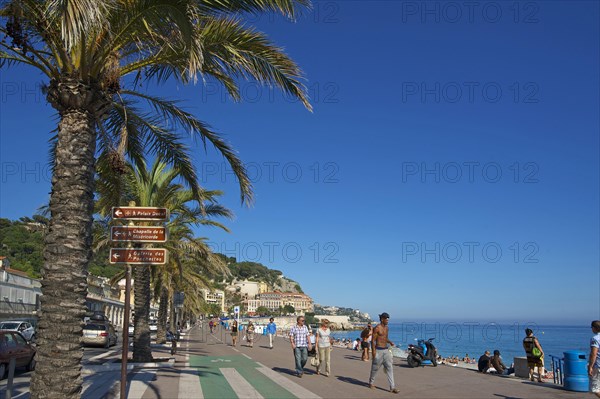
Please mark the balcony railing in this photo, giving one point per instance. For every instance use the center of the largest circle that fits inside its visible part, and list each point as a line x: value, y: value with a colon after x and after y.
x: 17, y: 307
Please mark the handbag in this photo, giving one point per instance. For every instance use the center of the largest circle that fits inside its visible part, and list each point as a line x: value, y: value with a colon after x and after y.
x: 315, y: 361
x: 536, y: 352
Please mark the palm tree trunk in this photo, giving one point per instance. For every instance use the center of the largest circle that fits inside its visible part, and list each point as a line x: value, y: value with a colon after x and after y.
x: 171, y: 313
x: 163, y: 308
x: 142, y: 352
x: 68, y: 243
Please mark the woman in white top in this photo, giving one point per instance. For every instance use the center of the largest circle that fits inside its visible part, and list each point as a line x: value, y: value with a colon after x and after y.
x: 324, y: 347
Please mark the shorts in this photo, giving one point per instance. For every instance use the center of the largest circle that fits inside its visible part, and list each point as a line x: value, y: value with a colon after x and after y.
x: 595, y: 380
x: 365, y: 345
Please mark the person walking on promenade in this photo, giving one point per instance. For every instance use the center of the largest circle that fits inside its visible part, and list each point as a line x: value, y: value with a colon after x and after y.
x: 323, y: 344
x: 535, y: 354
x: 271, y: 331
x: 300, y: 340
x: 381, y: 354
x: 594, y: 362
x: 366, y: 336
x: 234, y: 332
x: 250, y: 334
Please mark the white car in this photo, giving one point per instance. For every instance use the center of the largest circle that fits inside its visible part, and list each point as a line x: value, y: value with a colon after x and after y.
x: 25, y: 328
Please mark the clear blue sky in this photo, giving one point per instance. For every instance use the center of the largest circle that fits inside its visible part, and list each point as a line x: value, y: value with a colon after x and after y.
x: 449, y: 170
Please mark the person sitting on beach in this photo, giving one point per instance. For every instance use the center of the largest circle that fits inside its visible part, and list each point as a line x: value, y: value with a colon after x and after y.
x: 467, y: 359
x: 484, y: 364
x: 498, y: 364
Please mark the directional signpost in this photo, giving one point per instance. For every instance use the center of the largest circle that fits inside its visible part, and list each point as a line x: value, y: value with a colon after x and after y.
x: 139, y: 213
x: 154, y: 256
x: 136, y: 256
x: 138, y: 234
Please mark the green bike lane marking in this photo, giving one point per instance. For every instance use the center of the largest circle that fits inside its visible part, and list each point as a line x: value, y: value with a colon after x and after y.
x: 214, y: 384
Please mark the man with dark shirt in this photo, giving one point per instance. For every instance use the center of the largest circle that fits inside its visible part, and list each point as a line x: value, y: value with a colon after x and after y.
x: 499, y: 365
x: 484, y: 362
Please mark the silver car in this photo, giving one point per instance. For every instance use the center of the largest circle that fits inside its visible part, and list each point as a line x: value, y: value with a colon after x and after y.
x: 100, y: 334
x: 25, y: 328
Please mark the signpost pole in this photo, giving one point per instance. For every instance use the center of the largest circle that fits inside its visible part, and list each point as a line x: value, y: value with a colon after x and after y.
x: 125, y: 354
x: 125, y: 331
x: 141, y: 256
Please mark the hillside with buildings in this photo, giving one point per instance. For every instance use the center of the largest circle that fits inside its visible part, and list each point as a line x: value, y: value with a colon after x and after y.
x: 253, y: 287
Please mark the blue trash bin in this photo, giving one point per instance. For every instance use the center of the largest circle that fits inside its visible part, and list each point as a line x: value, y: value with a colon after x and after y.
x: 575, y: 371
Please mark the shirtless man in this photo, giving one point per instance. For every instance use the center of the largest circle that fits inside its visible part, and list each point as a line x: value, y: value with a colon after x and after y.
x: 381, y: 354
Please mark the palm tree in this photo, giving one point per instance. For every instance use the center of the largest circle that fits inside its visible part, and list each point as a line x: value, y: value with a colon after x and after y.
x: 190, y: 260
x: 158, y: 187
x: 86, y: 48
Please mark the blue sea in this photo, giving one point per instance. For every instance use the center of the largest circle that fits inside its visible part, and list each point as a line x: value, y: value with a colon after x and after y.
x: 474, y: 338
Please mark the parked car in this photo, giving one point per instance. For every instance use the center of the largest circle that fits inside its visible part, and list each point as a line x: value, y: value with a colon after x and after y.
x: 24, y: 327
x: 153, y: 328
x: 101, y: 334
x: 13, y: 344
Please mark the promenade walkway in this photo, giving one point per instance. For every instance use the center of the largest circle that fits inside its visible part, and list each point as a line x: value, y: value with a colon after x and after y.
x: 206, y: 366
x: 211, y: 368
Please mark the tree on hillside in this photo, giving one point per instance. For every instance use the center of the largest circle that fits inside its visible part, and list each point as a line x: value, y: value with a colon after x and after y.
x: 288, y: 309
x: 85, y: 48
x: 263, y: 311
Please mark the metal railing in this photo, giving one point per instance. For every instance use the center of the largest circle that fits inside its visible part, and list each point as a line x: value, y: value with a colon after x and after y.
x: 558, y: 366
x: 17, y: 307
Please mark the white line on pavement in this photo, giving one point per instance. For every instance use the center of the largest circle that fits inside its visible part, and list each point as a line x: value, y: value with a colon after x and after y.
x: 103, y: 355
x: 243, y: 354
x: 140, y: 383
x: 189, y: 384
x: 295, y: 389
x: 240, y: 386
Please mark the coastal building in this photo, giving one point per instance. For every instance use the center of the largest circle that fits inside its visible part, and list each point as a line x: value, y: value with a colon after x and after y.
x: 214, y: 297
x: 248, y: 289
x: 102, y: 297
x: 302, y: 303
x: 19, y: 294
x: 251, y: 305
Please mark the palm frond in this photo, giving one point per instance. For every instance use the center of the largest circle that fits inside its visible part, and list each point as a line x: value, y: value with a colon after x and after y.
x: 77, y: 18
x: 288, y: 8
x: 170, y: 113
